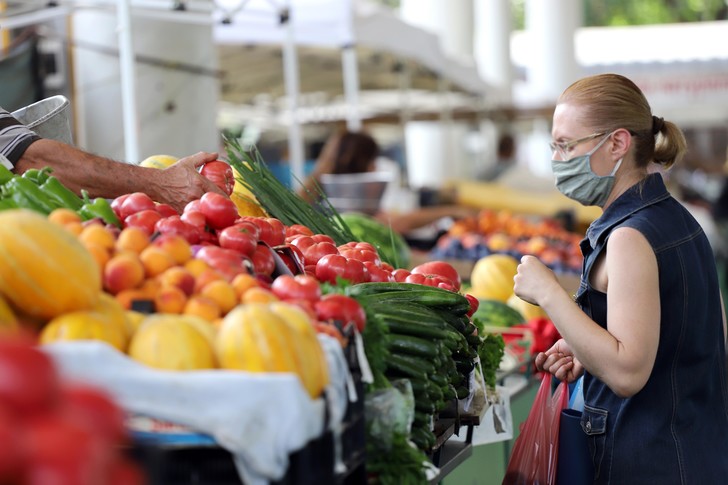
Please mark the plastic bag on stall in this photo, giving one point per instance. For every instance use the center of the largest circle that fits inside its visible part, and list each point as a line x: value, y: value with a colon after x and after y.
x: 535, y: 453
x: 389, y: 411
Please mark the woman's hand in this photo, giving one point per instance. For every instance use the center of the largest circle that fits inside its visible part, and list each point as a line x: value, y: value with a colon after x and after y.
x: 533, y: 279
x: 559, y: 360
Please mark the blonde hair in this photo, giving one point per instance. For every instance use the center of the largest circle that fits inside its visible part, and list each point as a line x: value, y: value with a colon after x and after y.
x: 612, y: 102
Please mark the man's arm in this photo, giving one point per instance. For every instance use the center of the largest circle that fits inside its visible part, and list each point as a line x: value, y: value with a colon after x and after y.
x: 102, y: 177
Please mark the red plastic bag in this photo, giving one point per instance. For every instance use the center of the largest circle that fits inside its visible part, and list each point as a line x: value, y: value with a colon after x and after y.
x: 535, y: 453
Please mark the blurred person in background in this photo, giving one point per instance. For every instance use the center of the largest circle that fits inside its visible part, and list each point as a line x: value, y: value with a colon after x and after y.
x: 505, y: 159
x: 347, y: 152
x: 647, y: 325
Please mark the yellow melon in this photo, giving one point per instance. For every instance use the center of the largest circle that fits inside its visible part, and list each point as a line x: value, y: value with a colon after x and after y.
x: 83, y: 325
x: 44, y: 270
x: 170, y: 342
x: 492, y: 277
x: 158, y: 161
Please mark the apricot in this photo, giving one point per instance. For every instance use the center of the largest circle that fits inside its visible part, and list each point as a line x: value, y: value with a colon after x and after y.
x: 170, y: 299
x: 196, y: 267
x: 258, y: 294
x: 123, y: 271
x: 133, y: 239
x: 222, y: 293
x: 155, y: 260
x: 243, y: 282
x: 175, y: 246
x: 202, y: 307
x: 63, y: 216
x: 180, y: 277
x: 97, y: 234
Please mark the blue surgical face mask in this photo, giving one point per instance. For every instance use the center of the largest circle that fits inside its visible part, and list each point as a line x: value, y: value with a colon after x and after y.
x: 575, y: 179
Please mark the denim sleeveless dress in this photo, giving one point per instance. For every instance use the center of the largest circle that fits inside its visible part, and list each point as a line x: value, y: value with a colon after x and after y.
x: 675, y: 430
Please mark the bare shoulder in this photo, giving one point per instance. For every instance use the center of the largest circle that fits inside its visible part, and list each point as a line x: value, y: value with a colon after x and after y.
x: 629, y: 244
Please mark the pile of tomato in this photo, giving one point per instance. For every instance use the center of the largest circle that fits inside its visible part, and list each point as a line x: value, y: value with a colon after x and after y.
x: 55, y: 432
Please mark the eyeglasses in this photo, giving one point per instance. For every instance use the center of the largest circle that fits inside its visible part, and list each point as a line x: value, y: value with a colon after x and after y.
x: 565, y: 147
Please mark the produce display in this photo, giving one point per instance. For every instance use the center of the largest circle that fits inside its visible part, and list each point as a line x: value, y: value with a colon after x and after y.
x: 501, y: 232
x: 246, y: 287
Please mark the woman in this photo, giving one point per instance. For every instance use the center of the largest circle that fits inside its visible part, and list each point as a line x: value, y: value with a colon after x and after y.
x: 648, y: 326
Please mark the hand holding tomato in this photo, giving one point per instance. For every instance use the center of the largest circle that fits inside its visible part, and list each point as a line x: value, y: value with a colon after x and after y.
x: 221, y: 174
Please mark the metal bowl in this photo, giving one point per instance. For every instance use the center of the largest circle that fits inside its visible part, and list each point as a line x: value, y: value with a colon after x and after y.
x: 357, y: 192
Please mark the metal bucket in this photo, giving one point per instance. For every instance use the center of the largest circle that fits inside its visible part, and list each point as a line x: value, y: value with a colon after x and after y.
x: 49, y: 118
x: 359, y: 192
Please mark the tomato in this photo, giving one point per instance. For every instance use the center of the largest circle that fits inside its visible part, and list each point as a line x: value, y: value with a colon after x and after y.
x: 439, y: 268
x: 359, y: 245
x: 193, y: 205
x: 341, y: 308
x: 146, y: 220
x: 298, y: 229
x: 194, y: 218
x: 313, y: 250
x: 221, y: 174
x: 226, y: 261
x: 136, y: 202
x: 387, y: 266
x: 29, y: 383
x: 240, y: 238
x: 166, y: 210
x: 116, y: 204
x: 266, y: 232
x: 400, y: 275
x: 10, y: 452
x: 299, y: 287
x: 220, y: 212
x: 430, y: 280
x: 263, y: 261
x: 332, y: 266
x: 363, y: 255
x: 95, y: 410
x: 474, y: 304
x: 278, y: 234
x: 175, y: 225
x: 378, y: 273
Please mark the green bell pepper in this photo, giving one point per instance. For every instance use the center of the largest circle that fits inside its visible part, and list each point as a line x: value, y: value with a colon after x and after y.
x: 38, y: 177
x: 99, y: 207
x: 28, y: 195
x: 5, y: 174
x: 62, y: 194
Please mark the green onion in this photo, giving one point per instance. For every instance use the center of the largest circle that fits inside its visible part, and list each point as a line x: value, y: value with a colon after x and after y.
x: 280, y: 201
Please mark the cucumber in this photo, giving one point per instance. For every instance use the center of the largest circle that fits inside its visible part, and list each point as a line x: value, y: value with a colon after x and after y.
x: 404, y: 327
x: 406, y: 367
x: 410, y: 345
x: 421, y: 365
x: 425, y: 295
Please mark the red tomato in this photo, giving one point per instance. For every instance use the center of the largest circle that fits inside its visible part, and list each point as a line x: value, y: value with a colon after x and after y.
x: 136, y: 202
x: 228, y: 262
x: 430, y: 280
x: 363, y: 255
x: 146, y: 220
x: 474, y: 304
x: 166, y: 210
x: 263, y: 261
x: 193, y: 205
x: 220, y: 212
x: 221, y: 174
x: 194, y: 218
x: 439, y: 268
x: 175, y: 225
x: 341, y: 308
x: 299, y: 287
x: 378, y: 273
x: 29, y: 383
x: 10, y: 452
x: 332, y: 266
x: 313, y: 253
x: 387, y: 266
x: 240, y: 238
x: 278, y: 234
x: 266, y: 232
x: 296, y: 229
x: 116, y: 204
x: 96, y: 411
x: 359, y: 245
x: 400, y: 275
x: 323, y: 238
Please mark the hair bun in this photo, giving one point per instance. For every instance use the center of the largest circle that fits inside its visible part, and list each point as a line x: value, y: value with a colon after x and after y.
x: 657, y: 124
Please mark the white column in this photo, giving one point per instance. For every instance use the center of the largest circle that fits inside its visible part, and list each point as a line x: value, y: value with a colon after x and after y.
x: 177, y: 90
x: 492, y: 45
x: 551, y: 27
x: 435, y: 150
x: 128, y: 82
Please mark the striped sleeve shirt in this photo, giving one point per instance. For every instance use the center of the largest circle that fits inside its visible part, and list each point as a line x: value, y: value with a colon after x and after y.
x: 15, y: 138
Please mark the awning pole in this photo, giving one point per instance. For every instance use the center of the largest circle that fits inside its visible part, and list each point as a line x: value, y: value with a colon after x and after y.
x: 128, y: 82
x: 290, y: 72
x: 351, y: 87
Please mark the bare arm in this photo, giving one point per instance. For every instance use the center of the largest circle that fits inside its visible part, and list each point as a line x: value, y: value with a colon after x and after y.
x: 102, y: 177
x: 622, y: 356
x: 404, y: 223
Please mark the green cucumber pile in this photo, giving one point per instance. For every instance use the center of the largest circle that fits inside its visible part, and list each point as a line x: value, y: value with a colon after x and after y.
x: 431, y: 342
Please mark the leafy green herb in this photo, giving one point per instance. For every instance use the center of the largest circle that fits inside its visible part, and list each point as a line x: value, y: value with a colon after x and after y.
x: 402, y: 464
x: 491, y: 352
